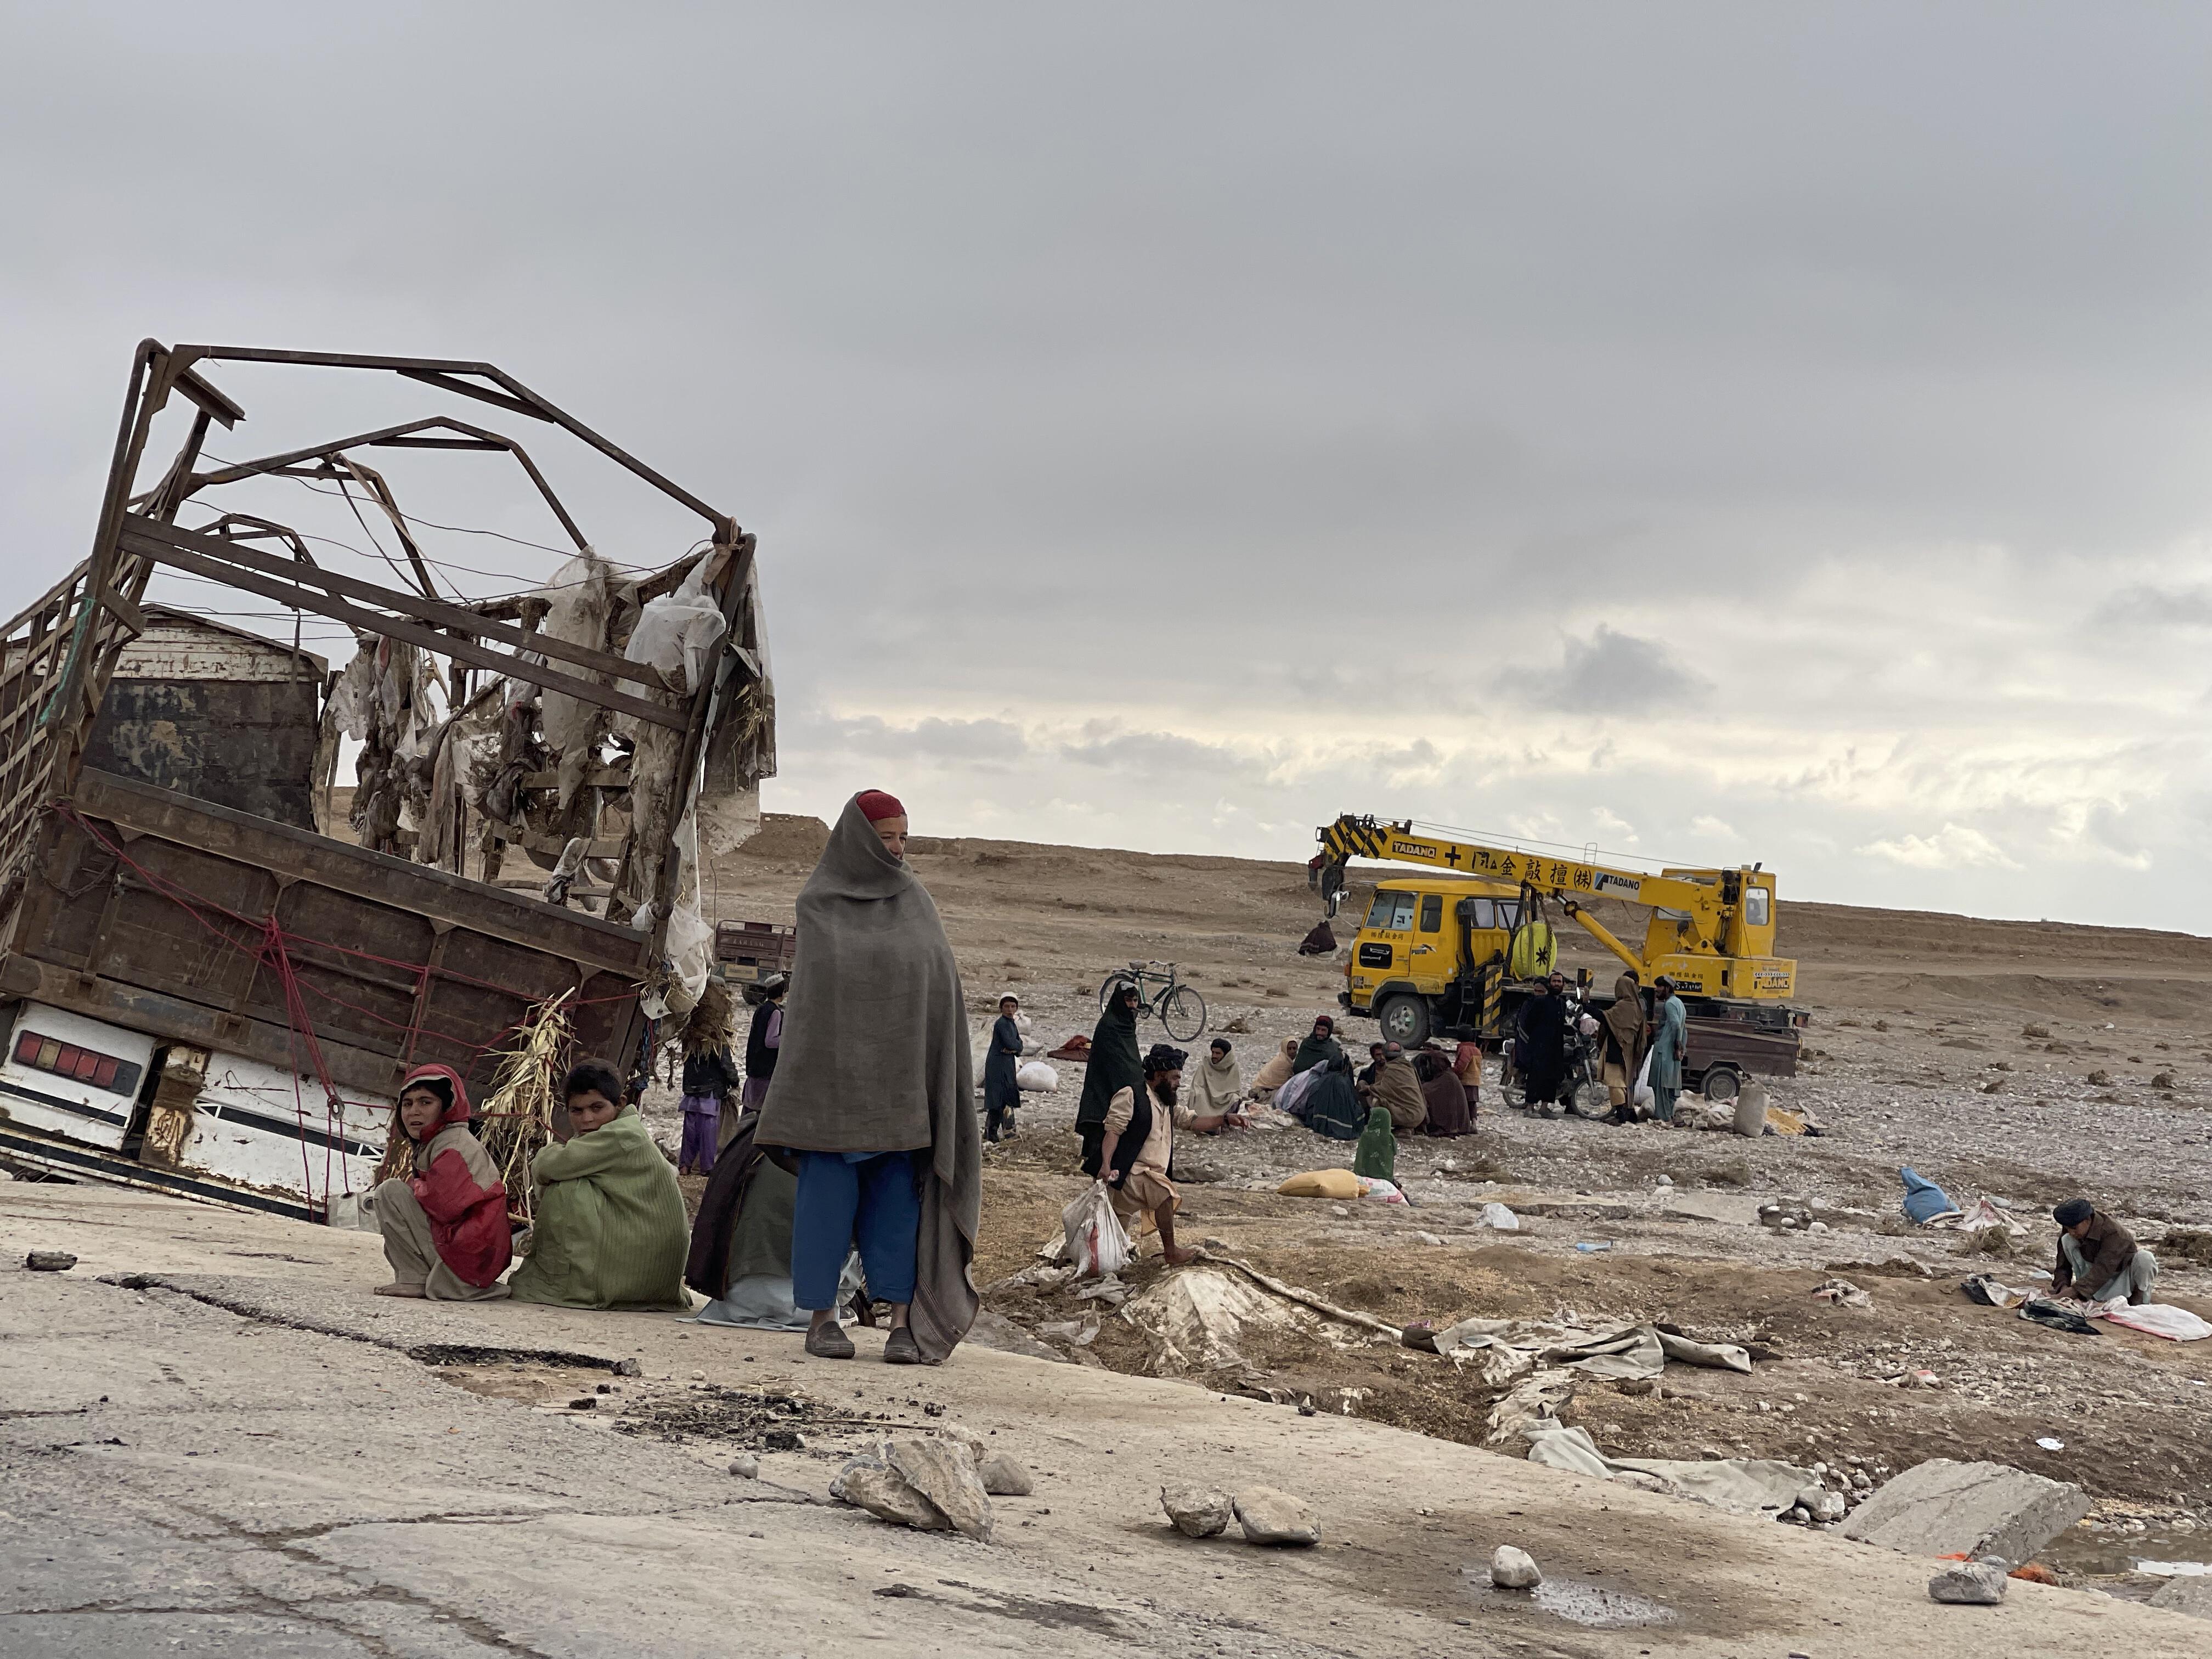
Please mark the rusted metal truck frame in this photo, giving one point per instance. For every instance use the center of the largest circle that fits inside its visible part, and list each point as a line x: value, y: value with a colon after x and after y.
x: 309, y: 972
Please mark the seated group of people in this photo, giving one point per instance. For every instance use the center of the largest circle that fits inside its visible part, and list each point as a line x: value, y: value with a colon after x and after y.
x: 610, y: 1230
x: 1424, y: 1091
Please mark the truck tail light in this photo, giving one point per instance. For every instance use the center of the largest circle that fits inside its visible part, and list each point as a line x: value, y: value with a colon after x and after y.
x: 47, y: 1054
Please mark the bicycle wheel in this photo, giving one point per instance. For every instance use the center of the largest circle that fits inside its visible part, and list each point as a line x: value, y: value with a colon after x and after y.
x: 1183, y: 1011
x: 1115, y: 981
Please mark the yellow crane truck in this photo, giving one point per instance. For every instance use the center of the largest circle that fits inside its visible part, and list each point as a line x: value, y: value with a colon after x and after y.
x: 1454, y: 953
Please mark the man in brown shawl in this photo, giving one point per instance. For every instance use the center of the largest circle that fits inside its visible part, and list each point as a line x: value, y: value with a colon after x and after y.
x: 1397, y: 1090
x: 874, y: 1092
x: 1627, y: 1034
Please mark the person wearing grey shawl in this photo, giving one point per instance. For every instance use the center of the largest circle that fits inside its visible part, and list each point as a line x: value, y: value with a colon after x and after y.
x: 875, y: 1094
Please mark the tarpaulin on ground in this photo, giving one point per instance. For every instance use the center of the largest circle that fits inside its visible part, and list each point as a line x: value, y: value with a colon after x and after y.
x: 1751, y: 1485
x: 1514, y: 1346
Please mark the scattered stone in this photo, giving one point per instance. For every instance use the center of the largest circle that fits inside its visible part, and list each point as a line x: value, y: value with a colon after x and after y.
x: 885, y: 1494
x: 2099, y: 1077
x: 585, y: 1403
x: 1197, y: 1511
x: 628, y: 1368
x: 50, y: 1262
x: 1944, y: 1507
x: 1003, y: 1476
x: 745, y: 1466
x: 1513, y: 1569
x: 945, y: 1472
x: 966, y: 1436
x: 1426, y: 1238
x: 1820, y: 1505
x: 1969, y: 1583
x: 2192, y: 1594
x: 1270, y: 1517
x: 784, y: 1440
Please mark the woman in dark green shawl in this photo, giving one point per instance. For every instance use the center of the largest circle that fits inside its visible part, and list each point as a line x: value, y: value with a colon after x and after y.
x: 1114, y: 1065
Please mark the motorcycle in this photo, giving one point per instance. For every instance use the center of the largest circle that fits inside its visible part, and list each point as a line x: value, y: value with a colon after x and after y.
x: 1582, y: 1093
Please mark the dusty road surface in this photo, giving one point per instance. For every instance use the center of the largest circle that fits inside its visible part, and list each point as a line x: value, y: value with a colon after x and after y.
x: 216, y: 1441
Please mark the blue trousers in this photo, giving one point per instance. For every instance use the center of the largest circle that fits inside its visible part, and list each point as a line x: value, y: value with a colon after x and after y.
x: 873, y: 1203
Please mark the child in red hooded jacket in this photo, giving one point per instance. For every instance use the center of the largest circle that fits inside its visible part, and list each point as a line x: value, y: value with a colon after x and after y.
x: 445, y: 1227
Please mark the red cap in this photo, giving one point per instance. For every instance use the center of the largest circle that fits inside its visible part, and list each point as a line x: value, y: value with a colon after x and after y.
x: 876, y: 805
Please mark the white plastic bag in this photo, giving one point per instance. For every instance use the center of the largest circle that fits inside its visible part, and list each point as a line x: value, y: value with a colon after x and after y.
x: 1035, y: 1076
x: 1386, y: 1192
x: 1497, y: 1216
x: 1641, y: 1094
x: 1096, y: 1241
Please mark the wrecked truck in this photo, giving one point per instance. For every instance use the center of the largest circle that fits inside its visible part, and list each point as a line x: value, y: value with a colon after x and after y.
x: 284, y: 813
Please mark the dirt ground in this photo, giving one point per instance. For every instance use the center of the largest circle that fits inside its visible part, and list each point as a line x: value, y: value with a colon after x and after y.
x: 2024, y: 1062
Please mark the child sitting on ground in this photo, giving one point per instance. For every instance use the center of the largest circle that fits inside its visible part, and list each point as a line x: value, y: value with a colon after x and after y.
x: 445, y: 1225
x: 610, y: 1230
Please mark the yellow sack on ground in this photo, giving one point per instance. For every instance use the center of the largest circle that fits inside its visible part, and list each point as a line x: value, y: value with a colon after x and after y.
x: 1781, y: 1122
x: 1321, y: 1183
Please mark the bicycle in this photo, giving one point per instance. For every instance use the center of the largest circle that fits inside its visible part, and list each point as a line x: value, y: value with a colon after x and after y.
x: 1175, y: 1005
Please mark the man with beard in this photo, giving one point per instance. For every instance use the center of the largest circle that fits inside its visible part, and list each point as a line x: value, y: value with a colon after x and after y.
x: 1139, y: 1144
x: 1114, y: 1065
x: 1543, y: 1046
x: 1319, y: 1048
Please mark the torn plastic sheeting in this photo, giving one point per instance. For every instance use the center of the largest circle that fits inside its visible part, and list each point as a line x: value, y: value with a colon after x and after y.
x: 2159, y: 1319
x: 1751, y: 1486
x: 581, y: 601
x: 1531, y: 1403
x: 676, y: 633
x: 1197, y: 1317
x: 1618, y: 1351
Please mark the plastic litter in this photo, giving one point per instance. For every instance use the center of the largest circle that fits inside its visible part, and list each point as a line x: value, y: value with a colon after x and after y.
x: 1924, y: 1200
x: 1591, y: 1248
x: 1035, y: 1076
x: 1098, y: 1244
x: 677, y: 633
x: 2049, y: 1445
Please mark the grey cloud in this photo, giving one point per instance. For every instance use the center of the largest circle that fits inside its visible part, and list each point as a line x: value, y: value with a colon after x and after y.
x: 2171, y: 607
x: 1607, y: 673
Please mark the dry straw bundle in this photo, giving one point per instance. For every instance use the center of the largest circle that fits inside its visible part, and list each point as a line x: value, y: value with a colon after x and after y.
x: 516, y: 1117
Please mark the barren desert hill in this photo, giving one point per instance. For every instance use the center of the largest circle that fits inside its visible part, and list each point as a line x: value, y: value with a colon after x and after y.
x: 1017, y: 908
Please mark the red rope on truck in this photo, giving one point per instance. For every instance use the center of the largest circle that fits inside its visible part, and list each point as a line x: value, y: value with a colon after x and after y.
x: 271, y: 947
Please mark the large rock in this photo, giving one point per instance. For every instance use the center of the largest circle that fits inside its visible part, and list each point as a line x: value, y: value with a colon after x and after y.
x: 1513, y: 1569
x: 1969, y: 1583
x: 1005, y: 1477
x: 1991, y: 1509
x: 1197, y: 1511
x: 886, y: 1495
x: 2191, y: 1595
x: 1269, y: 1517
x: 945, y: 1472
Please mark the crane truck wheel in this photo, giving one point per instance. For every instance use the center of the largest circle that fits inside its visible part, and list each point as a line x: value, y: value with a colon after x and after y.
x: 1722, y: 1083
x: 1404, y: 1019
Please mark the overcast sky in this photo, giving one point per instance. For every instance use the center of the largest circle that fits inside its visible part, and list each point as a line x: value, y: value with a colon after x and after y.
x: 1717, y: 432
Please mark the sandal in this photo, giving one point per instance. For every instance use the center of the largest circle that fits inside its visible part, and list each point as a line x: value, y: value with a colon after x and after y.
x: 828, y: 1342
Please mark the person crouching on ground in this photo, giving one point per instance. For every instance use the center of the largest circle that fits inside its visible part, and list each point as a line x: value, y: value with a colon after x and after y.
x: 445, y: 1225
x: 1217, y: 1089
x: 1397, y: 1089
x: 1140, y: 1143
x: 2099, y: 1259
x: 875, y: 1095
x: 609, y: 1229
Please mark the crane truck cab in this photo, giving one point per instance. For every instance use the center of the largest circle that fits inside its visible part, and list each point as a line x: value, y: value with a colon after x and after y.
x: 1411, y: 959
